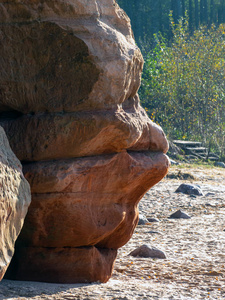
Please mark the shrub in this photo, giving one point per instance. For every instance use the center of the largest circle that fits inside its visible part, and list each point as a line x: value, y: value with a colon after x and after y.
x: 183, y: 85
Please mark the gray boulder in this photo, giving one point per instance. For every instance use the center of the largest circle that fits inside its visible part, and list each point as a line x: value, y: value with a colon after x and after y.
x: 148, y: 251
x: 179, y: 215
x: 219, y: 164
x: 189, y: 189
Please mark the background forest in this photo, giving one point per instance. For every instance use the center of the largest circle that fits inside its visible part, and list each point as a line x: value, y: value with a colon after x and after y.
x: 183, y: 81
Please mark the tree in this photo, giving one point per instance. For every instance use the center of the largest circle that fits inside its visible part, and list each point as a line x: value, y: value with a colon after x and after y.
x: 183, y: 86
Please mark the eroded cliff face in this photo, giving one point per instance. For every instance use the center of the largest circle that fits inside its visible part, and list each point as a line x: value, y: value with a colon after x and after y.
x: 14, y: 201
x: 69, y: 105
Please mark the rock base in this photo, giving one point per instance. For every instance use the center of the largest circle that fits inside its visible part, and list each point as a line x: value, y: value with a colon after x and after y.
x: 84, y: 264
x: 85, y: 210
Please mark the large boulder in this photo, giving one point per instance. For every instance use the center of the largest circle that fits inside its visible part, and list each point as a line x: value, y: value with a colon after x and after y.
x: 64, y: 135
x: 69, y: 105
x: 68, y: 55
x: 14, y: 200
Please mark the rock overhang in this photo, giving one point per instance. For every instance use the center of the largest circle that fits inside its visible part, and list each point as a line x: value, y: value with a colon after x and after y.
x: 74, y: 120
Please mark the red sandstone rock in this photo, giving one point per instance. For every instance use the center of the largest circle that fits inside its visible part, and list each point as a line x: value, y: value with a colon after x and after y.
x: 55, y: 136
x: 14, y: 200
x: 65, y: 265
x: 83, y: 202
x: 70, y: 71
x: 66, y: 56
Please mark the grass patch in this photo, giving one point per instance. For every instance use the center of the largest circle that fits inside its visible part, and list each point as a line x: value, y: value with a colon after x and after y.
x: 195, y: 164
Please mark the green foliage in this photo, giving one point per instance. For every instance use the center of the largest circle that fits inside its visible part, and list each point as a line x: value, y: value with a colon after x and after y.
x: 183, y: 85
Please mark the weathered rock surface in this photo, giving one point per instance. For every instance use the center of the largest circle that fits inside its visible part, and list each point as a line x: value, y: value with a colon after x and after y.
x: 69, y: 105
x: 63, y: 135
x: 66, y: 56
x: 14, y: 200
x: 87, y: 201
x: 65, y: 265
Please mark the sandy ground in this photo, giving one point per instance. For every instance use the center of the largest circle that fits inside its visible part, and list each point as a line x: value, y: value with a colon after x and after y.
x: 195, y: 249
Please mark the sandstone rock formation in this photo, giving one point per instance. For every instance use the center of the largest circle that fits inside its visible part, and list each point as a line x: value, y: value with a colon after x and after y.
x: 14, y: 200
x: 69, y: 105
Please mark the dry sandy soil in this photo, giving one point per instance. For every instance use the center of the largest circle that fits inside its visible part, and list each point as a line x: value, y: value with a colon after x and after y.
x: 195, y: 248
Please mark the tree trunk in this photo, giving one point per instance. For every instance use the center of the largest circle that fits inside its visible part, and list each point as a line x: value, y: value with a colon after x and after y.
x: 205, y: 12
x: 160, y: 15
x: 191, y: 23
x: 212, y: 12
x: 223, y: 11
x: 201, y: 12
x: 155, y: 16
x: 179, y: 9
x: 196, y: 15
x: 174, y: 10
x: 183, y: 8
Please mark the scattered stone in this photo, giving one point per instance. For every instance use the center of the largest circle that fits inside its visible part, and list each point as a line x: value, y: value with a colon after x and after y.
x: 152, y: 220
x: 154, y: 232
x: 210, y: 194
x: 179, y: 215
x: 189, y: 189
x: 147, y: 251
x: 209, y: 204
x: 219, y: 164
x: 142, y: 219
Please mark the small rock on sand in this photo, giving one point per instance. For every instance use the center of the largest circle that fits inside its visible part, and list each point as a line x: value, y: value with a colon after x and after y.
x: 147, y: 251
x: 219, y: 164
x: 189, y: 189
x: 179, y: 215
x: 142, y: 219
x: 152, y: 219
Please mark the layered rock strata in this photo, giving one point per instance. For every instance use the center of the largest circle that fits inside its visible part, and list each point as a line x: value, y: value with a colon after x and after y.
x: 15, y: 198
x: 70, y: 108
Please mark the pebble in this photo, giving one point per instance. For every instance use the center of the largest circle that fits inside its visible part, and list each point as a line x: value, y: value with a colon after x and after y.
x: 189, y: 189
x: 210, y: 194
x: 142, y: 219
x: 209, y: 204
x: 179, y: 215
x: 147, y: 251
x: 152, y: 219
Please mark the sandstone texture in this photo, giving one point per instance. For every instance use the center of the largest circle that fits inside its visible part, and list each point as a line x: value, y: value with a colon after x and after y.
x: 14, y: 201
x: 69, y: 105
